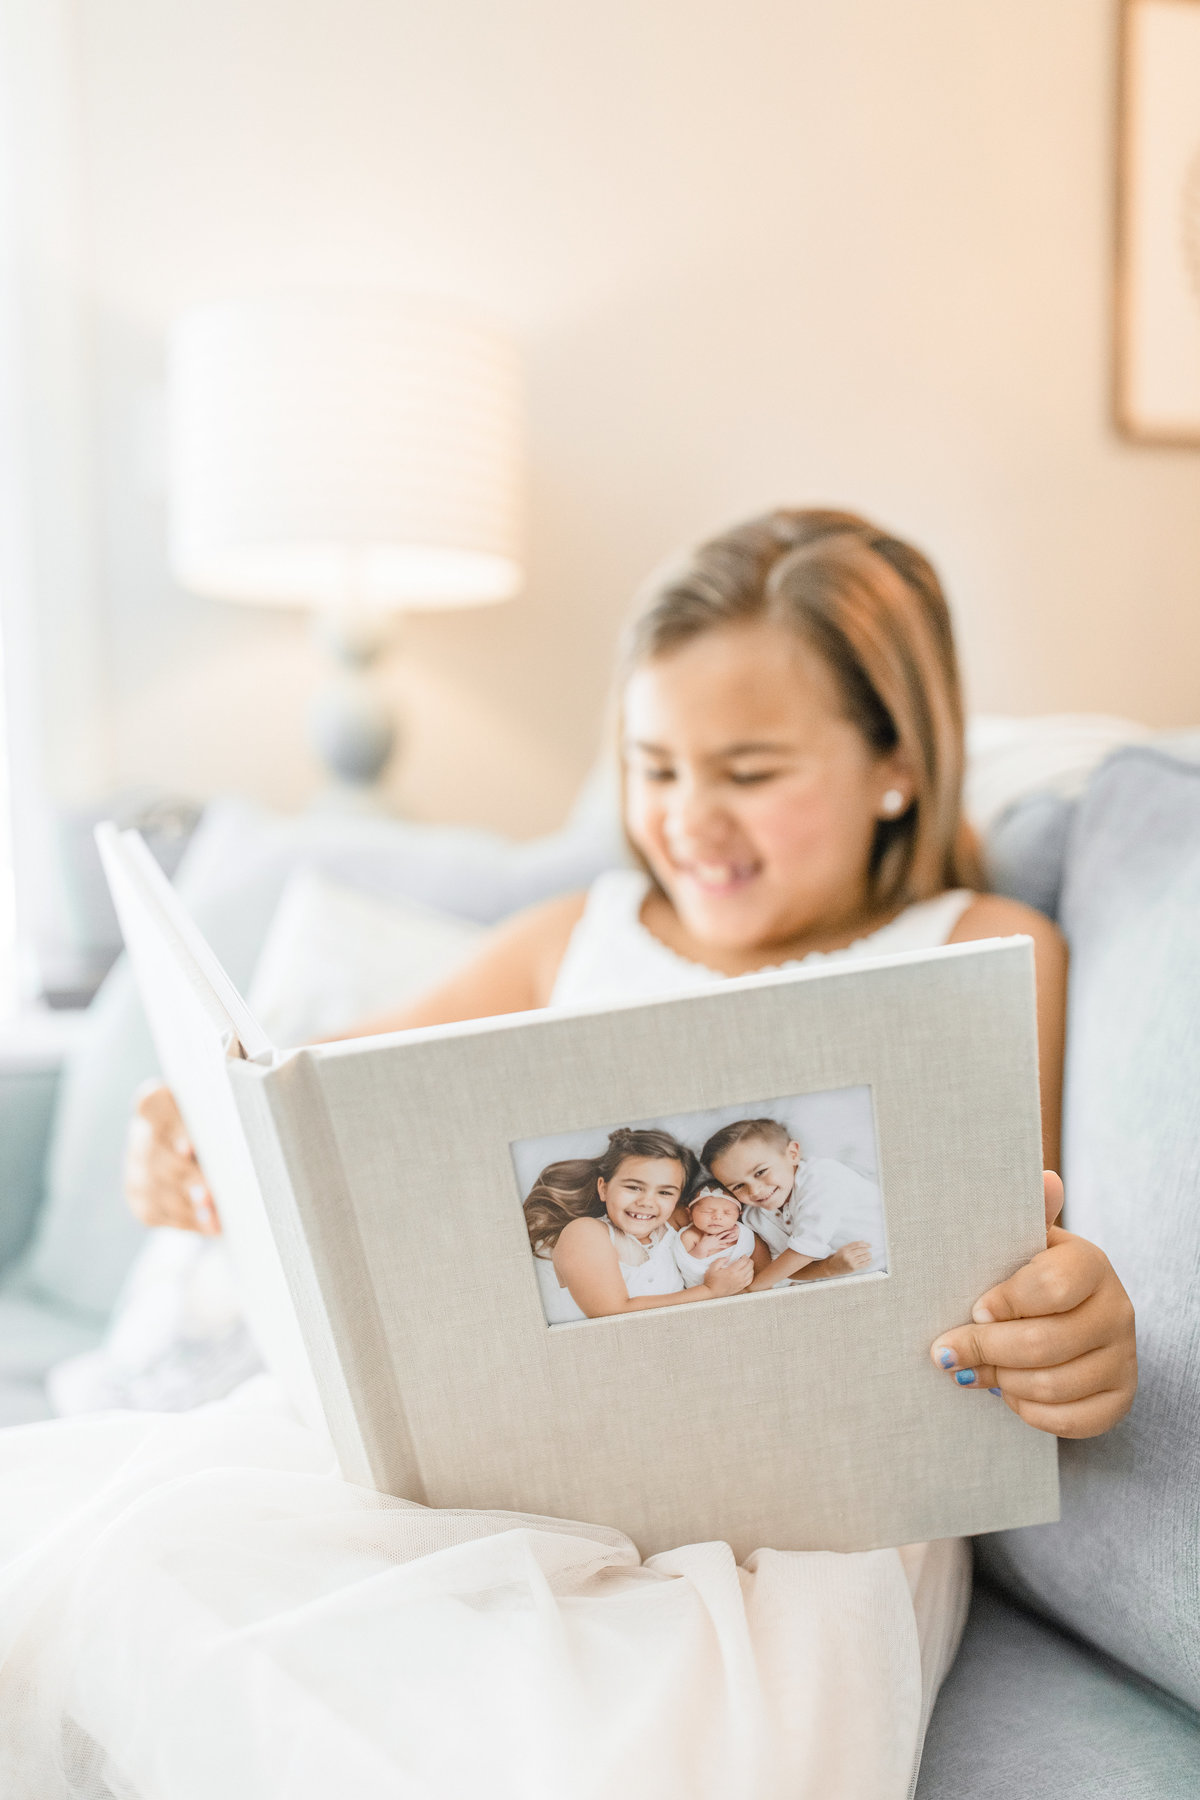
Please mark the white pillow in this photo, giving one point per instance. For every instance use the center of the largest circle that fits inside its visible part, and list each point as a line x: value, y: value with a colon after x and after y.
x: 335, y: 956
x: 1010, y: 759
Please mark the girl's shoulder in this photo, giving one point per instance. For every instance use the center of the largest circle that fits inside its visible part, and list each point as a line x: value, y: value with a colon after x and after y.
x: 548, y: 918
x: 580, y: 1235
x: 995, y: 915
x: 526, y: 950
x: 513, y: 970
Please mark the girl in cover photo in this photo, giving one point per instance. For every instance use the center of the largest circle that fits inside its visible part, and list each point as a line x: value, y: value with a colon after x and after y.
x: 603, y: 1235
x: 792, y: 763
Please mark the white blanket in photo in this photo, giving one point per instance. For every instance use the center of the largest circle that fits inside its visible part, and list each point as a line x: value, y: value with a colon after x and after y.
x: 196, y: 1606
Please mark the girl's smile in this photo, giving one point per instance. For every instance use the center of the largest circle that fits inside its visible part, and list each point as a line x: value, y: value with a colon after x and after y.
x: 642, y: 1194
x: 753, y: 799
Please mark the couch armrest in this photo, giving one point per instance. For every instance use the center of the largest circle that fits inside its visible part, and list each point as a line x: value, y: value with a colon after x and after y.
x: 33, y: 1050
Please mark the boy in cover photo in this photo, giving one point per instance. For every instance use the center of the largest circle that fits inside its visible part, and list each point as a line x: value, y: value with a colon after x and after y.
x: 815, y: 1215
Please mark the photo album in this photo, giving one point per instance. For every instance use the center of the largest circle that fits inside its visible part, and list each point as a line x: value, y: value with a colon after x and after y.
x: 670, y: 1266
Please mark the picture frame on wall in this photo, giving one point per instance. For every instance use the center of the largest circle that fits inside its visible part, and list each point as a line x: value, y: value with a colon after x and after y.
x: 1157, y: 310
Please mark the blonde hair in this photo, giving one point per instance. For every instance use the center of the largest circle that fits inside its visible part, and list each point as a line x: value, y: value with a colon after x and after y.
x: 873, y: 609
x: 570, y: 1190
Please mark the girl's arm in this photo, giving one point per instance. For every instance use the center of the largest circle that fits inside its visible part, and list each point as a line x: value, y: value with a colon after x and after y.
x: 991, y: 915
x: 587, y: 1265
x: 514, y: 971
x: 1056, y: 1341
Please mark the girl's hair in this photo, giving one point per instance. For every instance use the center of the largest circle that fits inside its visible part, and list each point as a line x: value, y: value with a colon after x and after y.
x: 770, y: 1131
x: 873, y: 608
x: 568, y: 1190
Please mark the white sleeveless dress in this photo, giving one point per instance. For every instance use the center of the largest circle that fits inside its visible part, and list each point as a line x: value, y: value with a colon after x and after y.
x: 612, y: 956
x: 196, y: 1607
x: 657, y: 1273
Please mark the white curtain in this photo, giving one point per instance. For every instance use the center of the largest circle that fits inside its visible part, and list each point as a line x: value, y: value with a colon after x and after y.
x: 50, y: 664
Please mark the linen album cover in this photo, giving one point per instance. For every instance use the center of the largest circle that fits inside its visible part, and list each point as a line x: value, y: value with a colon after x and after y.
x: 199, y: 1023
x: 672, y: 1266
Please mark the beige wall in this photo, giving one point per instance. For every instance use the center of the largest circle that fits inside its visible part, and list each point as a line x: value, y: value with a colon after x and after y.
x: 753, y: 249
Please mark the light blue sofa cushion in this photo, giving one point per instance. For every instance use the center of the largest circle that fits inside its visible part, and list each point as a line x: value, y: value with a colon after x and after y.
x: 1025, y: 1711
x: 1026, y: 848
x: 27, y: 1099
x: 1123, y: 1568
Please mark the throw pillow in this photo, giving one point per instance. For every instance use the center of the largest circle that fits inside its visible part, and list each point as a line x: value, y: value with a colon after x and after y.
x: 334, y: 956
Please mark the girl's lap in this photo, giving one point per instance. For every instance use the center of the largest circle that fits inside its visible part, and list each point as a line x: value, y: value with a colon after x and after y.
x: 161, y: 1574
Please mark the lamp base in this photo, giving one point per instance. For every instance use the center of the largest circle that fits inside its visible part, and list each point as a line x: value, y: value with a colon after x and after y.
x: 350, y: 724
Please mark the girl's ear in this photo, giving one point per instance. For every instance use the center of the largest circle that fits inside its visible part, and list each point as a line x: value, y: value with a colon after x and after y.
x: 794, y: 1153
x: 897, y: 784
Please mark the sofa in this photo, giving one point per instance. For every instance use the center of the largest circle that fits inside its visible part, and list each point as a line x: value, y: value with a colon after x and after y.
x: 1079, y: 1673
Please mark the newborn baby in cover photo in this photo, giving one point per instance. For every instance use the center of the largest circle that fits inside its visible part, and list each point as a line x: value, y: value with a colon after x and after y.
x: 716, y: 1230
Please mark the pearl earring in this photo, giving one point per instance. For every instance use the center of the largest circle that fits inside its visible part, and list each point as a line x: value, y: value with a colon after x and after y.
x: 892, y: 803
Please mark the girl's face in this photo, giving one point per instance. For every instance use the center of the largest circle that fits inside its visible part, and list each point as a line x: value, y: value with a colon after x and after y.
x: 752, y: 798
x: 712, y: 1213
x: 642, y: 1194
x: 758, y: 1172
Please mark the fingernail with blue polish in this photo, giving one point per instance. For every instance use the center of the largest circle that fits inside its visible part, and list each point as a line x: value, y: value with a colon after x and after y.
x: 946, y: 1357
x: 999, y: 1391
x: 965, y: 1377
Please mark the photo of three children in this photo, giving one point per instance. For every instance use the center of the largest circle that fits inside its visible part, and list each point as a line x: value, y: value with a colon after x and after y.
x: 706, y: 1206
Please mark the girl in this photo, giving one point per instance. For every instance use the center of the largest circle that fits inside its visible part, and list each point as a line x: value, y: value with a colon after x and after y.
x: 602, y: 1236
x: 792, y: 758
x: 715, y: 1233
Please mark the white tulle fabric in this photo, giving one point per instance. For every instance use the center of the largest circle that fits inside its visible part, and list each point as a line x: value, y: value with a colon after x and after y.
x: 196, y: 1607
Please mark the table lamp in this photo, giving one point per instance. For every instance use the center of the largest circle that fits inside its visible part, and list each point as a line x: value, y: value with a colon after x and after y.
x: 357, y: 455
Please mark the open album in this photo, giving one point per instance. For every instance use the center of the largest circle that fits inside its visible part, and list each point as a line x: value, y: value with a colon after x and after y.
x: 672, y: 1267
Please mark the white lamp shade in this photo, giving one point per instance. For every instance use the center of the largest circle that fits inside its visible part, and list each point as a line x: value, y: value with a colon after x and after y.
x: 343, y: 450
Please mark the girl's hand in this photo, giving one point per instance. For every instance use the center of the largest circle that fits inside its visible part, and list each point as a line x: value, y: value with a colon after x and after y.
x: 163, y: 1181
x: 1056, y: 1340
x: 726, y: 1278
